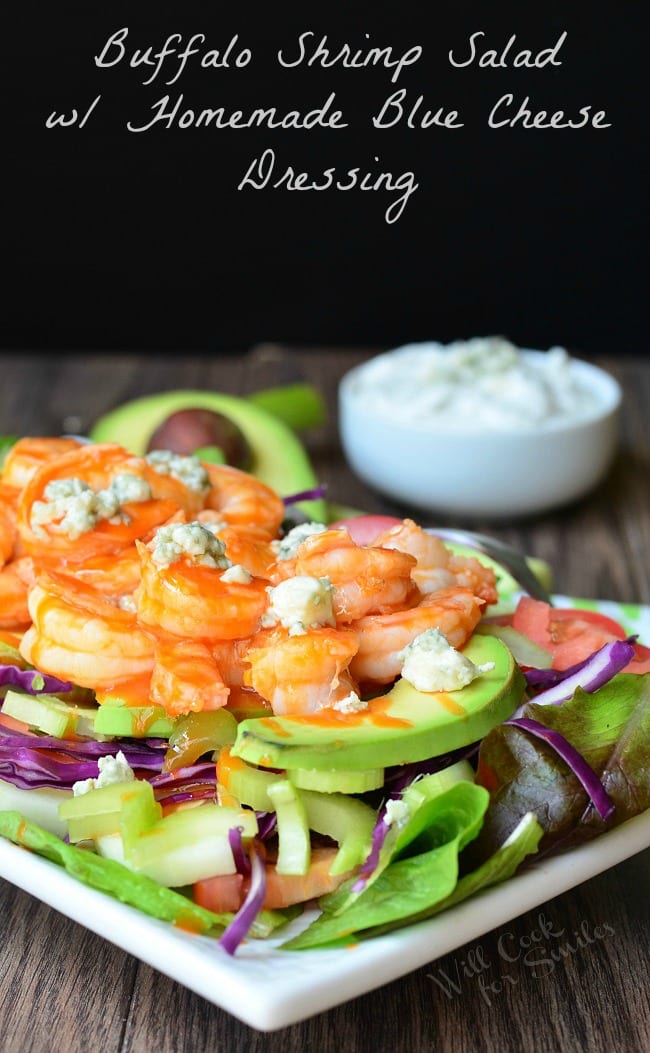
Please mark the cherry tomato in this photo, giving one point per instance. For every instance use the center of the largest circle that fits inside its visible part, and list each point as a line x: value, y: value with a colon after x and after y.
x: 364, y: 529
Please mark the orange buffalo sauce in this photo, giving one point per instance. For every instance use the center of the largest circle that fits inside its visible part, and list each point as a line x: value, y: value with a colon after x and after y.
x: 276, y: 727
x: 450, y: 704
x: 133, y: 692
x: 374, y: 716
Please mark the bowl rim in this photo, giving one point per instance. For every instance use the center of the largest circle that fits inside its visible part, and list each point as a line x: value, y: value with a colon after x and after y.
x: 604, y: 383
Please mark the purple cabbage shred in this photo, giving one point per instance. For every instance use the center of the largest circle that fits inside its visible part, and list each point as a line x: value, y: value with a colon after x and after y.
x: 576, y: 762
x: 305, y: 495
x: 31, y: 680
x: 589, y: 675
x: 241, y: 924
x: 242, y: 861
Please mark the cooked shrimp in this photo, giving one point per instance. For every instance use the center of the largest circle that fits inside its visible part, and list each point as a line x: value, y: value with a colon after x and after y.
x: 244, y: 501
x: 183, y: 480
x: 14, y: 587
x: 301, y: 673
x: 437, y: 567
x: 455, y: 612
x: 8, y: 522
x: 254, y: 554
x: 471, y: 574
x: 56, y: 524
x: 192, y: 600
x: 365, y: 580
x: 230, y: 656
x: 114, y: 576
x: 28, y: 455
x: 80, y: 635
x: 186, y: 678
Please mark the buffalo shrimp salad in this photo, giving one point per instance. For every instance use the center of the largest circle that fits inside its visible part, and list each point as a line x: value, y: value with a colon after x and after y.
x: 219, y: 716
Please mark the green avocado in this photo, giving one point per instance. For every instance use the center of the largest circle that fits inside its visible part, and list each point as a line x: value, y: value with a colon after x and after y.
x: 402, y: 726
x: 118, y: 721
x: 279, y: 458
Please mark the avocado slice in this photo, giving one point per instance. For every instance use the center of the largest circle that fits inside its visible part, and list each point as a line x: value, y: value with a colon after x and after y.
x: 137, y: 722
x: 403, y: 726
x: 279, y: 458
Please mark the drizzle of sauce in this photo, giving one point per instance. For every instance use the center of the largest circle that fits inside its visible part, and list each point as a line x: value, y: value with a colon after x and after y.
x: 227, y: 763
x: 134, y: 692
x: 450, y: 704
x: 275, y: 727
x: 187, y: 923
x: 374, y: 716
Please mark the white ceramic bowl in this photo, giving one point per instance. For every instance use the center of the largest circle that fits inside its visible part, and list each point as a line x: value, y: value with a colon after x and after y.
x: 474, y: 471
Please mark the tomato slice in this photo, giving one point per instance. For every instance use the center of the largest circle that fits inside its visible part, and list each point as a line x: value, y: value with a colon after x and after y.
x: 220, y: 894
x: 571, y: 635
x: 641, y: 661
x: 531, y: 617
x: 227, y: 892
x: 559, y: 614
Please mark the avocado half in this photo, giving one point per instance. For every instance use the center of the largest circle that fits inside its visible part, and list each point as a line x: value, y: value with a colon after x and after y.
x: 279, y: 458
x: 403, y: 726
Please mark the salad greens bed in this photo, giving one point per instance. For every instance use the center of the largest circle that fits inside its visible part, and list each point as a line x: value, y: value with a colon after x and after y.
x: 570, y: 763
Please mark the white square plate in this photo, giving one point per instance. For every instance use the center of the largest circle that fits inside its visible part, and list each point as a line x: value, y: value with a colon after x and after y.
x: 291, y: 986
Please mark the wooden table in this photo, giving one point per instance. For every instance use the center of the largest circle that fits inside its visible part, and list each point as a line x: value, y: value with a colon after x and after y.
x: 62, y: 987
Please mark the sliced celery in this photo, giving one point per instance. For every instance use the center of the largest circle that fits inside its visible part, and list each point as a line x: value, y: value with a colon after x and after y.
x: 346, y: 820
x: 50, y: 714
x: 247, y: 784
x: 337, y: 781
x: 294, y: 846
x: 126, y: 807
x: 190, y: 845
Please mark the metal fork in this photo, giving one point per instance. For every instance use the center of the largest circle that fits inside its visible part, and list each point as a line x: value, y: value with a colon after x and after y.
x: 508, y: 556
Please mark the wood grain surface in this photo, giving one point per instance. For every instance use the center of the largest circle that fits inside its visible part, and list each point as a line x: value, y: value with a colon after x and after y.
x: 62, y: 987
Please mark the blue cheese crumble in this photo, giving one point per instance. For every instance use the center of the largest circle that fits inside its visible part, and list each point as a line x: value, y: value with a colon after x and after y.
x: 290, y: 543
x: 175, y: 540
x: 112, y: 770
x: 130, y: 488
x: 188, y: 470
x: 300, y: 603
x: 396, y: 812
x: 72, y: 507
x: 237, y: 574
x: 432, y: 664
x: 350, y: 704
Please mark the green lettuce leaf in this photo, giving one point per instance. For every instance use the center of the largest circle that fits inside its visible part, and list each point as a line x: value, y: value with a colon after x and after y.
x: 610, y: 728
x: 123, y: 884
x: 411, y: 885
x: 505, y: 862
x: 421, y: 827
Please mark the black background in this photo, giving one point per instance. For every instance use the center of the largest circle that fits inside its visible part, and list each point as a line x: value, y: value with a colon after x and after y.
x: 132, y: 241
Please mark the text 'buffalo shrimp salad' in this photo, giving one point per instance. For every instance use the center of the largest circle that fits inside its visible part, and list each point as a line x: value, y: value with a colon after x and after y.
x: 218, y: 716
